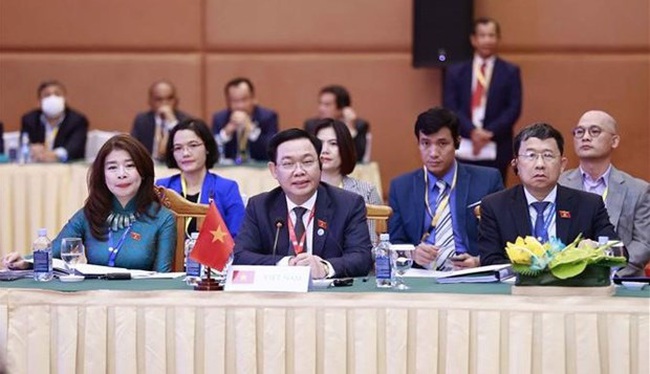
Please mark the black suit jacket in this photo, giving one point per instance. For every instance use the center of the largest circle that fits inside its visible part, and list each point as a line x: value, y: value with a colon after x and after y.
x: 344, y: 242
x: 267, y: 121
x: 144, y: 127
x: 71, y: 135
x: 502, y: 109
x: 360, y: 142
x: 504, y: 217
x: 2, y: 141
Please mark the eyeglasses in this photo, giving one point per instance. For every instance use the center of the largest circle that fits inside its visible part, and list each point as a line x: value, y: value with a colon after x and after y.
x: 533, y: 156
x: 593, y: 131
x: 292, y: 165
x: 191, y: 147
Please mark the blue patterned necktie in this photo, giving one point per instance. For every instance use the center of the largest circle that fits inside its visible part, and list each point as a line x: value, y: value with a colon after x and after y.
x: 540, y: 231
x: 444, y: 229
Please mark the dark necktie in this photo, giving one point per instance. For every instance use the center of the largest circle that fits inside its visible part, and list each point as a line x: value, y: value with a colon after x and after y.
x: 540, y: 231
x: 300, y: 226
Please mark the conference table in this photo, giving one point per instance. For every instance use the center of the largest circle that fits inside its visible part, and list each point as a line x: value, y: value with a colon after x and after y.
x: 47, y: 195
x: 161, y: 325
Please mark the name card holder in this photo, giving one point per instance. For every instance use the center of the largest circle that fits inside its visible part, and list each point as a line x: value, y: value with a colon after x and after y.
x: 250, y: 278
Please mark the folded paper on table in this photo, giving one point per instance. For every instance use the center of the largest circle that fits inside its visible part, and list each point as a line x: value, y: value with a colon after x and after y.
x: 482, y: 274
x: 466, y: 151
x: 97, y: 271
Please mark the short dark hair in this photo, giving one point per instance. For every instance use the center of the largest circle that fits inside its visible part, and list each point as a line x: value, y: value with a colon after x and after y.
x: 162, y: 81
x: 347, y: 149
x: 485, y: 21
x: 539, y: 130
x: 202, y: 131
x: 435, y: 119
x: 236, y: 82
x: 48, y: 83
x: 291, y: 134
x: 341, y: 95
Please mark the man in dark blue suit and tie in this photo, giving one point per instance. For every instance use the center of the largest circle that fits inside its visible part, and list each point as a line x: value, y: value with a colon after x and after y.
x: 304, y: 222
x: 539, y: 206
x: 245, y: 128
x: 485, y: 93
x: 433, y: 207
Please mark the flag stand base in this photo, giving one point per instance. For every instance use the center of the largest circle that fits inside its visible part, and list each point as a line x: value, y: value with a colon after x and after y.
x: 208, y: 284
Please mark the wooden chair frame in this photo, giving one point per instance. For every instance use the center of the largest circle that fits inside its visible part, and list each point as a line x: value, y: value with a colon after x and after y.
x: 379, y: 214
x: 183, y: 210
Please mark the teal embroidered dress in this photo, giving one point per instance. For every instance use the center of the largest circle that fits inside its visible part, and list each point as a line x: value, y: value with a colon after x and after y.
x: 148, y: 245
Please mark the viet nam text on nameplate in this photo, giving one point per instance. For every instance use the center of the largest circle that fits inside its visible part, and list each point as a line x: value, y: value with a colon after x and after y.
x: 268, y: 278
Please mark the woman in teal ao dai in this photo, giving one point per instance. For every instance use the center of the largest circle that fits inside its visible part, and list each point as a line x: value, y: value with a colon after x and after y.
x: 122, y: 224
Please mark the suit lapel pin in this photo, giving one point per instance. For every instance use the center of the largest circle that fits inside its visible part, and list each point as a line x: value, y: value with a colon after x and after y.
x: 135, y: 236
x: 322, y: 224
x: 565, y: 214
x: 320, y: 232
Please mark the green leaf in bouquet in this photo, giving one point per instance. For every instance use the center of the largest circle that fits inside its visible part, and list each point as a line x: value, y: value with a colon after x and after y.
x: 610, y: 261
x: 525, y: 270
x: 568, y: 269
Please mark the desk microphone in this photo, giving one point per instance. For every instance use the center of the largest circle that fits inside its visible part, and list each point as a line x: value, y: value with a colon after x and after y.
x: 279, y: 222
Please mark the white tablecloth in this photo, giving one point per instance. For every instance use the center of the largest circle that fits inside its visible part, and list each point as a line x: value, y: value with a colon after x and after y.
x: 37, y: 195
x: 196, y: 332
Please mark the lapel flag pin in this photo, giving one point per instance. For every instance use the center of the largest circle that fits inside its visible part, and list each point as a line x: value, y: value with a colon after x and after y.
x: 322, y: 224
x: 135, y: 236
x: 565, y: 214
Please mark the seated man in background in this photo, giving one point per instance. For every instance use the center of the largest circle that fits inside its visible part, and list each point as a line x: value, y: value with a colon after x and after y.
x: 433, y: 206
x: 151, y: 128
x: 245, y: 128
x: 539, y: 206
x: 334, y: 102
x: 325, y: 226
x: 57, y: 133
x: 626, y: 198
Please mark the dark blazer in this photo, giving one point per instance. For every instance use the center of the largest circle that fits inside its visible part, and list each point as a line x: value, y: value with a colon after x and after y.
x: 267, y: 121
x: 71, y: 135
x: 504, y: 217
x: 342, y: 214
x: 144, y: 127
x: 360, y: 142
x: 406, y: 197
x: 503, y: 105
x: 2, y: 141
x: 224, y: 192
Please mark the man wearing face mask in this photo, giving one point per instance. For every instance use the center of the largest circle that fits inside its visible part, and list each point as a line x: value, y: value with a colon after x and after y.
x: 56, y: 132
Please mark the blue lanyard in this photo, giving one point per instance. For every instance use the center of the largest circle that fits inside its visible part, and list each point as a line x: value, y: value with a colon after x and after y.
x: 115, y: 249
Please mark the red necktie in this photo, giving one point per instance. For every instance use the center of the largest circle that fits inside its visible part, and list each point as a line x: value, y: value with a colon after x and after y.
x: 477, y: 95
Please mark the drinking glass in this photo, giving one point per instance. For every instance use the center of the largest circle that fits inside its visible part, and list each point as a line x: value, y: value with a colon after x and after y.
x: 402, y: 259
x: 72, y: 253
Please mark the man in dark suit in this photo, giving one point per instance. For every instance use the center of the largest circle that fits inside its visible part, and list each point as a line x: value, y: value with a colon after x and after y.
x: 627, y: 198
x: 419, y: 208
x: 486, y: 94
x: 334, y: 102
x: 2, y: 141
x: 152, y: 128
x: 539, y: 206
x: 56, y: 132
x: 245, y: 128
x: 314, y: 224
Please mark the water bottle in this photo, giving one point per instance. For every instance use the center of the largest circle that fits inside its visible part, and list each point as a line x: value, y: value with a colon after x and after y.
x: 42, y: 252
x: 192, y: 268
x: 383, y: 271
x: 220, y: 149
x: 24, y: 157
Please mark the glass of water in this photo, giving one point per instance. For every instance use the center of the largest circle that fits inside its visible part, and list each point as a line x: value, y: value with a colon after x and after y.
x: 72, y: 253
x: 401, y: 256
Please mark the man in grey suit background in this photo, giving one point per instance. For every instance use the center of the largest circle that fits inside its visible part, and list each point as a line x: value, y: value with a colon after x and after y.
x: 627, y: 198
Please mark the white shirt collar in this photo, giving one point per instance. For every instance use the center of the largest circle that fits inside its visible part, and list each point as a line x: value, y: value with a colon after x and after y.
x: 550, y: 197
x: 309, y: 204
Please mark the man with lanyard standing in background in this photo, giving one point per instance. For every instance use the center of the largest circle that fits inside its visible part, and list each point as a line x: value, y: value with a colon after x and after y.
x: 433, y: 206
x: 485, y: 93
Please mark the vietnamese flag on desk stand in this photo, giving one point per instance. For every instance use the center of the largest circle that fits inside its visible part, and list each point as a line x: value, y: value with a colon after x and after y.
x: 214, y: 245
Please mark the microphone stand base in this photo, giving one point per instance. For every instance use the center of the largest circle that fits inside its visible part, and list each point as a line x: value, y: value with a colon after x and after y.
x: 208, y: 284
